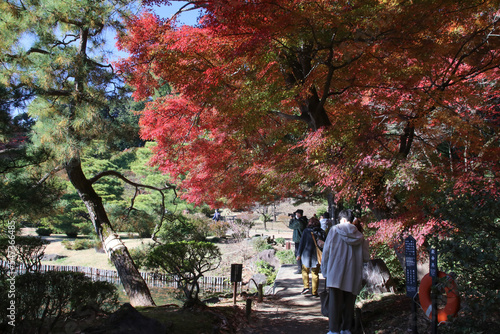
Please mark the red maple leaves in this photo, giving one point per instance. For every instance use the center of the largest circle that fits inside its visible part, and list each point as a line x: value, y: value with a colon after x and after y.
x: 379, y: 102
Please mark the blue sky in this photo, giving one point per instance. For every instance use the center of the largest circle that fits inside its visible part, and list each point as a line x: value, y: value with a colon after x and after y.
x: 189, y: 18
x: 167, y: 11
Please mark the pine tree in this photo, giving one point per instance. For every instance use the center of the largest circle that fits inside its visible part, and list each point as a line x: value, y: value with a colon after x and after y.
x: 55, y: 52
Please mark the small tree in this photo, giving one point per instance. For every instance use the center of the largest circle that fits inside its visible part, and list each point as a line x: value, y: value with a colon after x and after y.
x: 188, y: 260
x: 27, y: 250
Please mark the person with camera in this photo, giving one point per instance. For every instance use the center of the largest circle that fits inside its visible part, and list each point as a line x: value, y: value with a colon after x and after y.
x: 297, y: 223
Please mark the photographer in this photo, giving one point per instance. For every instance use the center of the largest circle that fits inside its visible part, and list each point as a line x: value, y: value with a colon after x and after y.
x: 298, y: 223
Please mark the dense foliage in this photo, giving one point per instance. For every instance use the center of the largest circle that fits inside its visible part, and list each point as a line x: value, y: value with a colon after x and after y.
x: 471, y: 252
x: 25, y: 250
x: 383, y: 103
x: 46, y: 300
x: 188, y: 260
x: 54, y: 52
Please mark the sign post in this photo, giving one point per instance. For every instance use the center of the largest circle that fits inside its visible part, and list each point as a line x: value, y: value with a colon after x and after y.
x: 433, y: 272
x: 411, y: 277
x: 236, y: 271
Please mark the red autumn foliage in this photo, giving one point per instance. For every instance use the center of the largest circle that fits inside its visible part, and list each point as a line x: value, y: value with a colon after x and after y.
x: 387, y: 103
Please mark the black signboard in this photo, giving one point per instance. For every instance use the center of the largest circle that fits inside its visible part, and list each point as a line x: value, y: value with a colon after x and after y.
x: 433, y: 263
x: 236, y: 271
x: 411, y: 266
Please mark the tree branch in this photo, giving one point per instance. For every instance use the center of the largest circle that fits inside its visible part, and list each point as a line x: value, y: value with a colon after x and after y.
x: 137, y: 186
x: 287, y: 116
x: 123, y: 178
x: 49, y: 174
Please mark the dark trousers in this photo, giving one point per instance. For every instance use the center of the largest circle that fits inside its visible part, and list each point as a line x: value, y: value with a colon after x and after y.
x: 299, y: 262
x: 341, y: 310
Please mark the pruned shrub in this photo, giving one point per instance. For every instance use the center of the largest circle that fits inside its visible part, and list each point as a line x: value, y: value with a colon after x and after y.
x: 79, y: 244
x: 27, y: 250
x: 44, y: 300
x: 44, y: 231
x: 179, y: 227
x: 188, y: 260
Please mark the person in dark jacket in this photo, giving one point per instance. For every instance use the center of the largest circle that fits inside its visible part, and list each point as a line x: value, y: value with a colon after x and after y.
x: 308, y: 255
x: 298, y: 223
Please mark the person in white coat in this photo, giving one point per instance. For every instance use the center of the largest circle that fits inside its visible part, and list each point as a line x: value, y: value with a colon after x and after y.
x: 344, y: 252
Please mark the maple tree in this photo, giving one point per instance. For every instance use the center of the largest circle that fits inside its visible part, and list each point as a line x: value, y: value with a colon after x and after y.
x: 387, y: 103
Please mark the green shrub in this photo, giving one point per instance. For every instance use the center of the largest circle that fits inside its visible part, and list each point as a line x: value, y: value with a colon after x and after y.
x: 286, y: 256
x: 188, y: 260
x: 280, y: 241
x: 79, y: 244
x: 267, y: 269
x: 41, y: 299
x: 470, y: 250
x: 44, y: 231
x: 179, y: 227
x: 27, y: 250
x: 260, y: 244
x: 140, y: 256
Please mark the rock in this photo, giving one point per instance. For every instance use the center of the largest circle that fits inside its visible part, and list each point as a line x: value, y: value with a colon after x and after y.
x: 256, y: 280
x: 127, y: 320
x: 213, y: 300
x: 269, y: 255
x: 377, y: 278
x: 52, y: 257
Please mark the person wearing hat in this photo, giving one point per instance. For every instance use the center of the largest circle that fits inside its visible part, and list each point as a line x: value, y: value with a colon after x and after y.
x: 298, y: 223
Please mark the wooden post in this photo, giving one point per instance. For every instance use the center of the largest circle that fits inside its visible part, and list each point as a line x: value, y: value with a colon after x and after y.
x: 248, y: 308
x: 260, y: 288
x: 234, y: 292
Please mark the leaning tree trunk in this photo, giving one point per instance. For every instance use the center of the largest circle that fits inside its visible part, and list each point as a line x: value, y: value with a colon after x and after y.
x: 133, y: 283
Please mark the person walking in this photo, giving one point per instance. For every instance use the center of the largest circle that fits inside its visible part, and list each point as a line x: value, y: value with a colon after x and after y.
x: 325, y: 221
x: 308, y: 256
x: 344, y: 252
x: 216, y: 216
x: 298, y: 223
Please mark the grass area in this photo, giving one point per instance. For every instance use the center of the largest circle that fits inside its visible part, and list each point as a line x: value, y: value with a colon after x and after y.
x: 84, y: 257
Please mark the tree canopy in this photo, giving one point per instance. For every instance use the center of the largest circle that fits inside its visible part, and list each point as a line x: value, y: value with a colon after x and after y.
x: 54, y: 53
x: 386, y: 103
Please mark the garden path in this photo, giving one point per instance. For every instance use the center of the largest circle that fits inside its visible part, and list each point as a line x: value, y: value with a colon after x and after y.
x: 285, y: 310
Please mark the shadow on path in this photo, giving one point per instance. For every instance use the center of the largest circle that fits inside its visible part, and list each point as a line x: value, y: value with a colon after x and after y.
x: 285, y: 310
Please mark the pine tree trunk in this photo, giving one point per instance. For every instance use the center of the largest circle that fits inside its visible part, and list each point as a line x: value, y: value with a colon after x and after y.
x: 133, y: 283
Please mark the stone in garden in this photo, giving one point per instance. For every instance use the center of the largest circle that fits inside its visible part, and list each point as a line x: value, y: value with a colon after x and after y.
x: 127, y: 320
x: 269, y: 255
x: 52, y: 257
x: 256, y: 280
x: 377, y: 278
